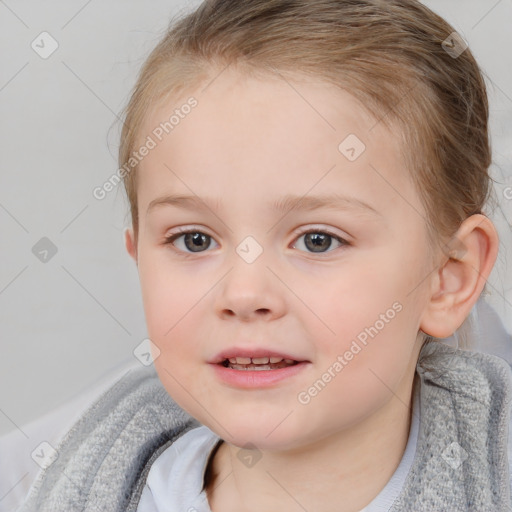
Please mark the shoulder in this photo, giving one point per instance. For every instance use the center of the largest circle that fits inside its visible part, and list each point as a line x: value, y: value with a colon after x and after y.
x: 27, y: 448
x: 121, y: 433
x: 509, y: 448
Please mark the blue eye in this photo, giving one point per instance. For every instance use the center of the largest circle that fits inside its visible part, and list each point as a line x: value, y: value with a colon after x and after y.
x: 315, y: 241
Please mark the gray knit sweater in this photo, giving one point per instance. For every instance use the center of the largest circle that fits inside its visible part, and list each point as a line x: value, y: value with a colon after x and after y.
x: 461, y: 461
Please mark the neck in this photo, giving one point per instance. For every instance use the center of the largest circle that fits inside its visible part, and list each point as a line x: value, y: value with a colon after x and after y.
x: 343, y: 472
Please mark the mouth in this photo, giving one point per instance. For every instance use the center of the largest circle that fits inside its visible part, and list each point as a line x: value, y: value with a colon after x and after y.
x: 265, y: 363
x: 261, y: 370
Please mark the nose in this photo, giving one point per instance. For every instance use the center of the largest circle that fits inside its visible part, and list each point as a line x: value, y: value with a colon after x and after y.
x: 250, y: 291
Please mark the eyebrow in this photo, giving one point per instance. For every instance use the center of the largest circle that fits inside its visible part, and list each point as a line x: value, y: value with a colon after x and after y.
x: 334, y: 202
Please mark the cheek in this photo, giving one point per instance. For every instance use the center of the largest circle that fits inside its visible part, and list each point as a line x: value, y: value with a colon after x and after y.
x: 369, y: 317
x: 172, y: 308
x: 352, y: 299
x: 362, y: 366
x: 171, y: 305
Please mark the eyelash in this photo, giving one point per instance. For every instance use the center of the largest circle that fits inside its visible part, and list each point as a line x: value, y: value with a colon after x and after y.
x: 172, y: 238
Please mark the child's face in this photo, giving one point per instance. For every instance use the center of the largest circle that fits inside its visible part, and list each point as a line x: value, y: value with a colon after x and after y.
x: 247, y: 145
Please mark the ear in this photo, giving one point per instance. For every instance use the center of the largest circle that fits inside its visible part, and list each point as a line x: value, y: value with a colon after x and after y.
x: 130, y: 243
x: 458, y: 282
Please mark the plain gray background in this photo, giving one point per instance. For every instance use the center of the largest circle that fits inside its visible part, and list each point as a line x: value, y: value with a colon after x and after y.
x: 69, y: 320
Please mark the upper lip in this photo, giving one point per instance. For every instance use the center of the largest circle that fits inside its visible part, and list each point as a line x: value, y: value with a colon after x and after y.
x: 251, y: 352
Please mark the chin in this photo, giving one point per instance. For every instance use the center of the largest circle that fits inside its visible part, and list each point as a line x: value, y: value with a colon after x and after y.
x: 270, y: 433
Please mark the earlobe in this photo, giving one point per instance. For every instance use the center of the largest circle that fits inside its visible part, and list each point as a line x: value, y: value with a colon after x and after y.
x: 130, y: 244
x: 458, y: 282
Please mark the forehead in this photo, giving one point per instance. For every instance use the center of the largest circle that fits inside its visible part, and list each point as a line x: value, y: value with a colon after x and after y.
x: 292, y: 136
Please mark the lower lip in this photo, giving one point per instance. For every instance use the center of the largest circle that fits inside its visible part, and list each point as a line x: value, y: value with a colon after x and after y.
x: 256, y: 378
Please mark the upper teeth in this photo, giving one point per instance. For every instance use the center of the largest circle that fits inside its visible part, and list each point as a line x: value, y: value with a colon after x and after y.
x: 258, y: 360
